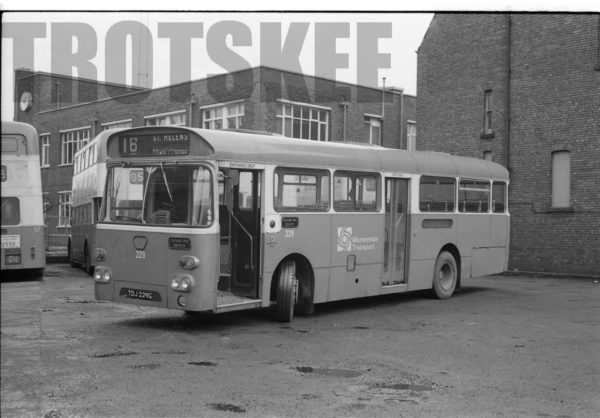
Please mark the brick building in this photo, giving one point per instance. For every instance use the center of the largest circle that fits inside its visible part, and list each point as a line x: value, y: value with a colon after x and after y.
x: 68, y: 111
x: 524, y: 91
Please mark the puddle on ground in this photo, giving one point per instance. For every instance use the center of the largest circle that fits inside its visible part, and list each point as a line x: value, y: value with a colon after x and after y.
x: 360, y: 327
x: 329, y: 372
x: 227, y: 407
x: 145, y: 366
x: 402, y: 386
x: 115, y: 354
x: 202, y: 363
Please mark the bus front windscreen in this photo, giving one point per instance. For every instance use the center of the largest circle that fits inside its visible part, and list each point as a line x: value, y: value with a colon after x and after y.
x: 160, y: 195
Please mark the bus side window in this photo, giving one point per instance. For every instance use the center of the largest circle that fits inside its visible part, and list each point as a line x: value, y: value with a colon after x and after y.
x: 437, y: 194
x: 498, y: 197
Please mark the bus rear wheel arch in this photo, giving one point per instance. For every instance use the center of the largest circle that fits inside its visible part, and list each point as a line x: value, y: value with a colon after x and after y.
x: 292, y: 288
x: 445, y: 275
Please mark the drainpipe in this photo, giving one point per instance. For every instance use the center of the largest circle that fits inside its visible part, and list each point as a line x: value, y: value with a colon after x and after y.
x: 402, y: 119
x: 382, y: 113
x: 508, y: 75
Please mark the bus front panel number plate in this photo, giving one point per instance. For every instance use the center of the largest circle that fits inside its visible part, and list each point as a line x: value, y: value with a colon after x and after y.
x: 151, y: 295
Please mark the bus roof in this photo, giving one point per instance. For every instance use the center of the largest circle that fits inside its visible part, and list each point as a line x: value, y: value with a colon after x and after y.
x: 281, y: 150
x: 272, y: 149
x: 26, y: 130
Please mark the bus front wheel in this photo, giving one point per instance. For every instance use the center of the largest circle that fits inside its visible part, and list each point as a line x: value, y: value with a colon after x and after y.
x: 87, y: 265
x: 445, y: 275
x: 287, y: 292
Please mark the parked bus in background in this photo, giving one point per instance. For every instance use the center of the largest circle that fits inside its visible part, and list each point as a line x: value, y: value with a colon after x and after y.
x: 206, y: 220
x: 89, y: 177
x: 22, y: 208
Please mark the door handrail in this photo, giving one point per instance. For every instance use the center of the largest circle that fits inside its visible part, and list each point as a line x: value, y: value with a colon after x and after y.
x: 249, y: 236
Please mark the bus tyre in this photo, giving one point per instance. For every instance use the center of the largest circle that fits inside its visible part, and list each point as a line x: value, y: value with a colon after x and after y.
x: 445, y: 275
x: 287, y: 292
x: 70, y: 255
x: 87, y: 266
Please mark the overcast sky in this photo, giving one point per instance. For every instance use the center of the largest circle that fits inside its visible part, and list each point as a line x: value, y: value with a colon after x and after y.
x: 408, y: 30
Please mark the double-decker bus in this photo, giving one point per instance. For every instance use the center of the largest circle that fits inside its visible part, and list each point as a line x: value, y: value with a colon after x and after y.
x: 22, y: 208
x: 206, y: 220
x: 89, y: 177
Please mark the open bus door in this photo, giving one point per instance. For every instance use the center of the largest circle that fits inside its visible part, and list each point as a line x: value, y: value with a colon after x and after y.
x: 244, y: 210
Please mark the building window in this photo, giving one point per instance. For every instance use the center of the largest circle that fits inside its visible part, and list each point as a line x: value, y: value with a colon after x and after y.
x: 561, y: 179
x: 304, y: 121
x: 45, y: 153
x: 487, y: 112
x: 72, y: 141
x: 487, y: 155
x: 118, y: 124
x: 223, y: 116
x: 64, y: 209
x: 373, y: 129
x: 167, y: 119
x: 411, y: 136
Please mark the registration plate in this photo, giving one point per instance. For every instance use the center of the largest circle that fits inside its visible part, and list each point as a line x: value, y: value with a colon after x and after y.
x: 151, y: 295
x: 11, y: 241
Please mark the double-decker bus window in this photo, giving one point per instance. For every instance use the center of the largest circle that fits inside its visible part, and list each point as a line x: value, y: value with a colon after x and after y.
x: 355, y: 192
x: 473, y: 196
x: 437, y: 194
x: 302, y: 190
x: 11, y: 213
x: 498, y: 197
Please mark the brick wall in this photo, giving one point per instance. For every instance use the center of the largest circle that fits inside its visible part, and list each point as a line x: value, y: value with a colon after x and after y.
x: 554, y: 105
x: 259, y: 88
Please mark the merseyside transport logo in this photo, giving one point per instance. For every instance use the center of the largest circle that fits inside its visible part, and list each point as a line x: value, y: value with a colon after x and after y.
x: 347, y: 241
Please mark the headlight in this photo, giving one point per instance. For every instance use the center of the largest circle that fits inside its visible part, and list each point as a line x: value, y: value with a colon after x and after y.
x: 186, y: 283
x: 182, y: 283
x: 102, y: 275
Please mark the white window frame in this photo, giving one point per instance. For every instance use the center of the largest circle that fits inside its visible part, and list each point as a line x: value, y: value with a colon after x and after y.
x: 210, y: 121
x: 78, y: 137
x: 374, y: 121
x: 45, y: 151
x: 168, y: 116
x: 411, y: 137
x: 487, y: 112
x: 117, y: 124
x: 64, y: 209
x: 285, y: 117
x: 561, y: 179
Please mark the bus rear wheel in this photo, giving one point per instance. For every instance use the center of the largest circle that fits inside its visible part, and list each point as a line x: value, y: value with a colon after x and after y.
x: 70, y: 255
x: 445, y: 275
x: 287, y: 292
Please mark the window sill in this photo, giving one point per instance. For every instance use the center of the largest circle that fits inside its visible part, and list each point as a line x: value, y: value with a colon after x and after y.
x: 45, y: 166
x: 487, y: 135
x: 567, y: 209
x: 66, y: 165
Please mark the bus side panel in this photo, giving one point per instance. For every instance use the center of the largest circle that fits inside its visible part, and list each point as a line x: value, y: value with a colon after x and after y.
x: 310, y: 239
x: 484, y: 239
x: 145, y: 260
x: 31, y: 248
x: 430, y: 232
x: 356, y: 255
